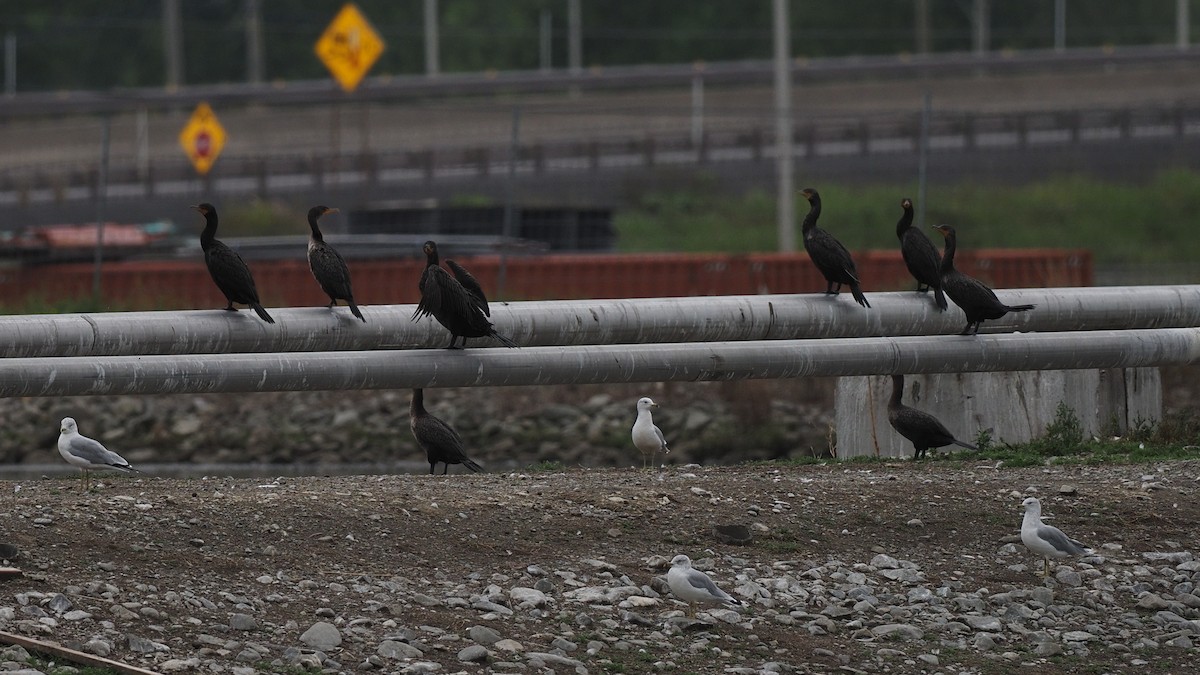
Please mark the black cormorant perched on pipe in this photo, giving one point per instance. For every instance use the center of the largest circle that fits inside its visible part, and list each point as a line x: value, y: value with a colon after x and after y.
x: 440, y: 442
x: 920, y: 255
x: 975, y: 299
x: 457, y: 303
x: 827, y: 253
x: 328, y: 266
x: 227, y: 268
x: 924, y: 430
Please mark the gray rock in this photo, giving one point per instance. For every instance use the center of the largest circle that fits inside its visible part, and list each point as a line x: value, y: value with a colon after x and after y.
x: 1047, y: 649
x: 1182, y: 642
x: 1078, y: 636
x: 473, y: 654
x: 989, y: 624
x: 421, y: 667
x: 555, y: 660
x: 180, y: 665
x: 483, y: 635
x: 391, y: 649
x: 984, y: 642
x: 142, y: 645
x: 239, y: 621
x: 98, y: 646
x: 901, y: 631
x: 1151, y: 602
x: 322, y: 635
x: 59, y: 603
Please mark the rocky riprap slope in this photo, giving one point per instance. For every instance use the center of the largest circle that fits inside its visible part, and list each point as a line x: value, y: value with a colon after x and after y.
x: 502, y: 427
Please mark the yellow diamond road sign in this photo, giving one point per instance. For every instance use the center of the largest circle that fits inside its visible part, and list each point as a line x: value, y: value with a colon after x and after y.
x: 202, y: 138
x: 349, y: 47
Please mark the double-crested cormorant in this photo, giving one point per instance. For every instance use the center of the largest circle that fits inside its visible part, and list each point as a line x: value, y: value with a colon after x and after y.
x: 1045, y: 540
x: 827, y: 253
x: 86, y: 453
x: 918, y: 426
x: 457, y: 303
x: 975, y: 299
x: 440, y: 442
x: 693, y: 586
x: 647, y: 437
x: 920, y: 255
x: 328, y: 266
x: 227, y: 268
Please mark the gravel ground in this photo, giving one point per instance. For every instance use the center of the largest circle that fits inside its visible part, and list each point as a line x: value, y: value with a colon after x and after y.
x: 903, y: 567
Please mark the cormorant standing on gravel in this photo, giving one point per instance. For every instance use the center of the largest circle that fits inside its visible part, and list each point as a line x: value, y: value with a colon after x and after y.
x: 328, y: 266
x: 827, y: 253
x: 920, y: 255
x: 227, y: 268
x: 924, y: 430
x: 457, y: 303
x: 975, y: 299
x: 440, y: 442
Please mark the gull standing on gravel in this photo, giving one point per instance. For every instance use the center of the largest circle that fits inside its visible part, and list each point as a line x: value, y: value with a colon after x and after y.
x: 646, y: 437
x: 86, y: 453
x: 693, y: 586
x: 1045, y: 540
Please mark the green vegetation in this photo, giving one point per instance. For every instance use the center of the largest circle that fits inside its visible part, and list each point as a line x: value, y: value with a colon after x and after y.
x: 57, y: 43
x: 1176, y: 437
x: 1118, y: 222
x: 545, y: 466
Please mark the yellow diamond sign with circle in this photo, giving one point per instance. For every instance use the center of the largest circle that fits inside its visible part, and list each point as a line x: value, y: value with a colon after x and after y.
x: 349, y: 47
x: 202, y: 138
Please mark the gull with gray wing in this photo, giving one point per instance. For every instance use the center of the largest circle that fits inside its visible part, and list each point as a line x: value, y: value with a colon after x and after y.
x: 647, y: 437
x: 1045, y: 540
x: 86, y: 453
x: 693, y: 586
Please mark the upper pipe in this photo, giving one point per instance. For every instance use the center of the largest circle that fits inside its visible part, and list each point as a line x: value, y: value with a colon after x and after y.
x: 594, y: 322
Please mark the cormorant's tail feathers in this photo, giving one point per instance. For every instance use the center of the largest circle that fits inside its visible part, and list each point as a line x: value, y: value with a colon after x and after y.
x: 858, y: 295
x: 940, y: 298
x: 354, y: 311
x: 964, y: 444
x: 472, y: 465
x: 262, y: 313
x: 503, y: 339
x: 1020, y: 308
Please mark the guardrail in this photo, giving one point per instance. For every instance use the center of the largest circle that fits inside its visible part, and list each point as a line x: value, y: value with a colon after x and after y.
x: 735, y: 141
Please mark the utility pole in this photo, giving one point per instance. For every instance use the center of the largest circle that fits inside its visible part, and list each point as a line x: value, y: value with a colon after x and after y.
x: 10, y: 63
x: 921, y: 27
x: 545, y: 35
x: 1182, y: 23
x: 173, y: 42
x: 1060, y: 25
x: 980, y: 35
x: 574, y: 37
x: 786, y: 216
x: 574, y: 44
x: 254, y: 46
x: 432, y: 47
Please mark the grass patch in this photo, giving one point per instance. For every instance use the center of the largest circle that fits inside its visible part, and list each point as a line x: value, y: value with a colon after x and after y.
x: 545, y: 466
x: 697, y: 215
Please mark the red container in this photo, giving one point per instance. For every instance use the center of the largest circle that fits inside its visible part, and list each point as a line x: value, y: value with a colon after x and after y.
x: 282, y: 283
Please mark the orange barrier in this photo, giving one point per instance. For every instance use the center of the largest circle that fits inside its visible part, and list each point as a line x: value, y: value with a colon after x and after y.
x: 186, y: 284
